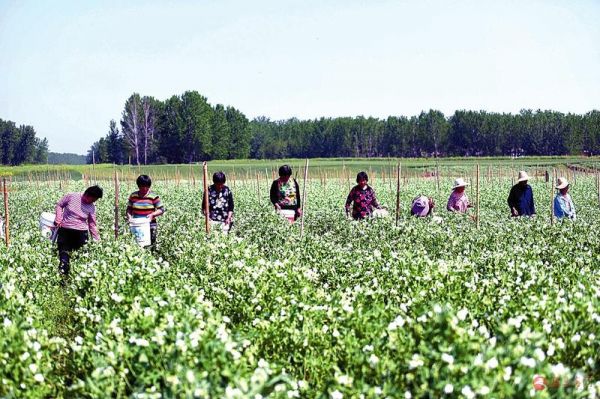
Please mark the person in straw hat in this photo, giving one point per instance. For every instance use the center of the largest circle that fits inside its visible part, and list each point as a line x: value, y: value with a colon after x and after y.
x: 520, y: 199
x: 458, y: 201
x: 563, y: 203
x: 422, y: 206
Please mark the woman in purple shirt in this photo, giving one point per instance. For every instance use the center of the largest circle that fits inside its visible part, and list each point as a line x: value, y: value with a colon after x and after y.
x: 75, y: 215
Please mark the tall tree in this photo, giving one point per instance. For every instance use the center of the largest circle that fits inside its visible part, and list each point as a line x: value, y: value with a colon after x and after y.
x: 131, y: 125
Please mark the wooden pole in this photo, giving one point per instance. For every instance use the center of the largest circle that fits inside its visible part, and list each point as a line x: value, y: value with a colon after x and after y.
x: 303, y: 199
x: 598, y: 186
x: 206, y: 206
x: 398, y: 173
x: 437, y: 176
x: 477, y: 199
x: 552, y: 196
x: 6, y: 214
x: 116, y: 204
x: 258, y: 187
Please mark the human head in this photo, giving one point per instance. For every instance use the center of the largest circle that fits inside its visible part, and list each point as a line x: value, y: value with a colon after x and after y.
x: 285, y: 171
x: 421, y: 206
x: 562, y: 185
x: 459, y: 185
x: 362, y: 178
x: 144, y: 183
x: 92, y: 194
x: 523, y: 178
x: 219, y: 180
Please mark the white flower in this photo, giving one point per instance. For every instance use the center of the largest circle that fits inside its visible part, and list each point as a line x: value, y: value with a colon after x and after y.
x: 116, y: 297
x: 462, y: 315
x: 38, y: 377
x: 437, y: 309
x: 507, y: 373
x: 528, y: 361
x: 373, y: 360
x: 447, y: 358
x: 415, y: 362
x: 468, y: 392
x: 484, y: 390
x: 33, y: 367
x: 398, y: 322
x: 293, y: 394
x: 7, y: 322
x: 559, y: 370
x: 190, y: 377
x: 539, y: 354
x: 492, y: 363
x: 368, y: 348
x: 344, y: 380
x: 336, y: 395
x: 263, y: 364
x: 407, y: 395
x: 449, y: 388
x: 576, y: 338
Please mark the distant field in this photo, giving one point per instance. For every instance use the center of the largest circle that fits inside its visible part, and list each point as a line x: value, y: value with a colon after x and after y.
x: 319, y: 167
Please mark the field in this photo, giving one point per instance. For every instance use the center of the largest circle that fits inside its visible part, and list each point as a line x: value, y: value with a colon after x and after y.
x: 350, y: 309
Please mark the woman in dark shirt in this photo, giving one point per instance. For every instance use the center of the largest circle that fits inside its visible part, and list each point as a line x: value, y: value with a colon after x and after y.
x: 362, y: 198
x: 520, y: 199
x: 220, y: 202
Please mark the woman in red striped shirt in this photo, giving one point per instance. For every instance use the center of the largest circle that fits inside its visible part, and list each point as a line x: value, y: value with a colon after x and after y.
x: 145, y: 204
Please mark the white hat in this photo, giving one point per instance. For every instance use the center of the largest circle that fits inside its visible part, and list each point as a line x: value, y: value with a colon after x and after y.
x: 523, y: 176
x: 561, y: 183
x: 459, y: 183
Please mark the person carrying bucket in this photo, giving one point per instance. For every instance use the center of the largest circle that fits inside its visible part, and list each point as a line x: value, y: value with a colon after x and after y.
x: 220, y: 203
x: 75, y: 215
x: 285, y: 195
x: 362, y: 198
x: 145, y: 204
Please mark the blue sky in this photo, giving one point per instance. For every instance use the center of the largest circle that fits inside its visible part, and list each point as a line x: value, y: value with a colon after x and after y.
x: 67, y: 67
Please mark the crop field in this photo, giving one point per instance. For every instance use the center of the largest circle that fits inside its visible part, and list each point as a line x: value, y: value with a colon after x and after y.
x: 414, y: 309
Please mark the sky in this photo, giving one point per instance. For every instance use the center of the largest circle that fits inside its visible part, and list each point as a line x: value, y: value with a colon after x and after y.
x: 67, y: 67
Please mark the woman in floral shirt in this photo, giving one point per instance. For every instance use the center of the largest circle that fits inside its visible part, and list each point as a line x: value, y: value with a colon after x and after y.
x: 285, y: 193
x: 220, y: 202
x: 363, y: 197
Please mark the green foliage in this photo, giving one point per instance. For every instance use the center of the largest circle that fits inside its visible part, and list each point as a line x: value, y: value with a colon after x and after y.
x: 19, y: 145
x: 423, y: 309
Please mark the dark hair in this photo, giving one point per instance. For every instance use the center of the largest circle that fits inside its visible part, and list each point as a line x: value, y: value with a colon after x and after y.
x: 143, y: 181
x: 94, y: 192
x: 219, y: 177
x: 285, y: 170
x: 362, y: 176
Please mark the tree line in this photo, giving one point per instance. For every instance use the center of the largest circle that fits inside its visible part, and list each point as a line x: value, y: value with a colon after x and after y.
x: 181, y: 129
x: 187, y: 128
x: 19, y: 145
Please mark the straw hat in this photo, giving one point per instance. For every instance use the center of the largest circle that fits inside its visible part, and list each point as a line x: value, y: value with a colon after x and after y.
x: 561, y: 183
x: 459, y: 183
x: 420, y: 206
x: 523, y: 176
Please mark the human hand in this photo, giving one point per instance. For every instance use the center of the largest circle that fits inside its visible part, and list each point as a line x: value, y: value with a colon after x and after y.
x: 299, y: 212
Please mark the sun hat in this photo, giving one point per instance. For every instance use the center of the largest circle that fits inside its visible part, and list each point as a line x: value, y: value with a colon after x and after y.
x: 420, y: 206
x: 460, y: 182
x: 561, y: 183
x: 523, y: 176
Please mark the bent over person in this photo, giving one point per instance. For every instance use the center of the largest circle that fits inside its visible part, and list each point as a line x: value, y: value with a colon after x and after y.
x: 220, y: 203
x: 145, y: 204
x: 362, y: 198
x: 285, y: 194
x: 75, y: 216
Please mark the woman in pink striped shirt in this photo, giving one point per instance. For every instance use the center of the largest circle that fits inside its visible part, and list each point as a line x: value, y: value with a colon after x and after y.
x: 75, y: 215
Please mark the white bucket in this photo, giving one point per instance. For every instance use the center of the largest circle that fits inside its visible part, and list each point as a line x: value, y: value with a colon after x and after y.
x: 47, y: 224
x: 219, y: 226
x: 140, y: 228
x: 288, y: 214
x: 380, y: 213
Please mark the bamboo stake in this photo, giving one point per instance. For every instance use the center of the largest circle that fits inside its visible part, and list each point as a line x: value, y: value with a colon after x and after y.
x: 598, y: 186
x: 116, y: 204
x: 303, y: 199
x: 206, y: 207
x: 6, y: 214
x: 398, y: 173
x: 477, y: 199
x: 552, y: 196
x: 258, y: 187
